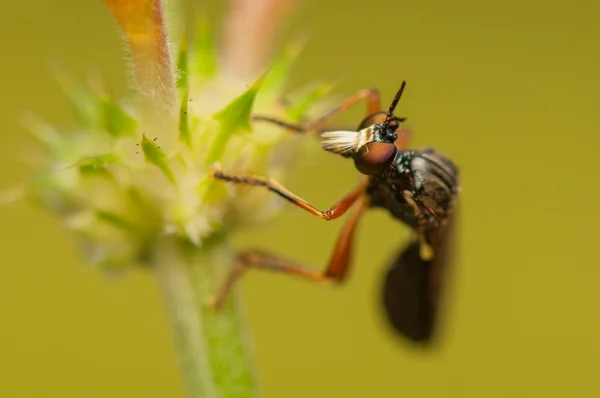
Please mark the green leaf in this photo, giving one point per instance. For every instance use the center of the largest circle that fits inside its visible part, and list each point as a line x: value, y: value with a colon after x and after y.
x: 183, y: 64
x: 116, y: 120
x: 234, y: 118
x: 204, y: 58
x: 211, y: 191
x: 60, y: 144
x: 184, y: 125
x: 83, y: 101
x: 115, y: 220
x: 301, y: 105
x: 281, y: 67
x: 157, y: 157
x: 50, y: 192
x: 96, y: 163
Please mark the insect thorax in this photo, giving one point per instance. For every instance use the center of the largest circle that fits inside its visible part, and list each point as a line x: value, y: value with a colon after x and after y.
x: 419, y: 188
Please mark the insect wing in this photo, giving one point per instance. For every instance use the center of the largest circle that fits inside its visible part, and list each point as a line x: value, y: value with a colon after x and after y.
x: 414, y: 289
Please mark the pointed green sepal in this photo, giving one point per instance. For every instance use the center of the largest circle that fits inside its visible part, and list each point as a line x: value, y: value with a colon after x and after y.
x: 183, y: 63
x: 204, y: 56
x: 82, y: 99
x: 96, y: 163
x: 115, y: 220
x: 157, y: 157
x: 234, y: 118
x: 211, y: 191
x: 279, y: 70
x: 184, y: 124
x: 116, y: 120
x: 58, y: 143
x: 305, y: 101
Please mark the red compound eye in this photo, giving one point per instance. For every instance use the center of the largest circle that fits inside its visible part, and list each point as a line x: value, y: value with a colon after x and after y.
x: 374, y: 157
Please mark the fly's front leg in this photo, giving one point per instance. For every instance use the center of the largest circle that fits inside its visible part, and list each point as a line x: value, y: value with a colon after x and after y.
x: 335, y: 211
x: 372, y: 97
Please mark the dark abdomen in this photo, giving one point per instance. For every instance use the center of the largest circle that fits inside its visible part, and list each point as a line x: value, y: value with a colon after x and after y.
x: 436, y: 183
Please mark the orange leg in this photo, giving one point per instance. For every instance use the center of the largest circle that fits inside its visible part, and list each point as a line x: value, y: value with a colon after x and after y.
x: 373, y: 105
x: 335, y: 211
x: 336, y: 270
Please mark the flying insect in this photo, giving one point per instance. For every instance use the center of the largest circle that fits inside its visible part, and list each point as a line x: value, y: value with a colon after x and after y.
x: 417, y: 187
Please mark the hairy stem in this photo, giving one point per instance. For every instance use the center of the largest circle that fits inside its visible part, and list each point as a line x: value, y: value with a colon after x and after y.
x: 213, y: 346
x: 143, y: 23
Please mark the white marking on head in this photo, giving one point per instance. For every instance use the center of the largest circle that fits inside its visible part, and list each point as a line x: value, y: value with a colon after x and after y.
x: 346, y: 142
x: 342, y: 142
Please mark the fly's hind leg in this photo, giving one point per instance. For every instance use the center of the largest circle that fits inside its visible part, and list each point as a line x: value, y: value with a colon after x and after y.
x: 336, y: 270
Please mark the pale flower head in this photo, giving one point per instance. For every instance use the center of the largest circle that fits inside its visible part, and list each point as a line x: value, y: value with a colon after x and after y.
x: 131, y: 171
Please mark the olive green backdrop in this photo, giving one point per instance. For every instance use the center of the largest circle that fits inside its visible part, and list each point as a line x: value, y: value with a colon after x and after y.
x: 510, y: 90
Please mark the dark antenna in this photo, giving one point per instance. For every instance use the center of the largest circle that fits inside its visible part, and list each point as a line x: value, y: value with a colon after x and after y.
x: 390, y: 114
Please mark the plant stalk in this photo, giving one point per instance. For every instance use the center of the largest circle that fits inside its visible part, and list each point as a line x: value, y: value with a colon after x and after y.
x: 213, y: 347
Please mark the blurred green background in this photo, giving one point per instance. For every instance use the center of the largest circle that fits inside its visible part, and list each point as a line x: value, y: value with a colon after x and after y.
x: 509, y: 90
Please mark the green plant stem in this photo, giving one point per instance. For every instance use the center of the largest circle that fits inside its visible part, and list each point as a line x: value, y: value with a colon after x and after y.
x: 213, y: 346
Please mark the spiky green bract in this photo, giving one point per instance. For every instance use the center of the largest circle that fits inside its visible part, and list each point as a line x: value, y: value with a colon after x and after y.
x: 157, y: 157
x: 234, y: 118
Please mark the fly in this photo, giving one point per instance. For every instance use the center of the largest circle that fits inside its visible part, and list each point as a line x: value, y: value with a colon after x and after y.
x: 417, y: 187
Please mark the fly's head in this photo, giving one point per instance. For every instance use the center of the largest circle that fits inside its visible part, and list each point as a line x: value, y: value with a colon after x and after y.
x: 373, y: 146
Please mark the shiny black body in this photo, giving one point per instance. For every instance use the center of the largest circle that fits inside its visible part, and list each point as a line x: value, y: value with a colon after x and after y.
x: 419, y: 188
x: 427, y: 177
